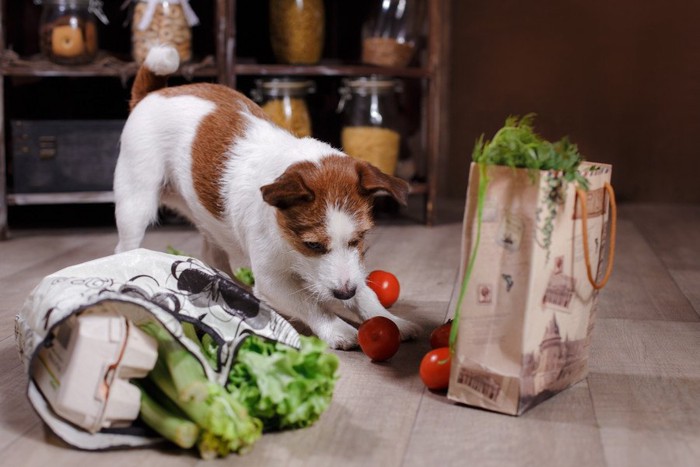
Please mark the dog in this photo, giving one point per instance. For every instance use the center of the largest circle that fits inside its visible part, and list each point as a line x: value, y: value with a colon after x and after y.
x: 296, y: 209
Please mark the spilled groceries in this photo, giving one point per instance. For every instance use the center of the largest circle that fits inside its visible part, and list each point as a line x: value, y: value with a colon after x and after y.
x: 172, y: 350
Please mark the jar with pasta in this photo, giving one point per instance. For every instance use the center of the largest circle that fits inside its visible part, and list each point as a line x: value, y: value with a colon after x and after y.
x: 162, y: 22
x: 390, y: 33
x: 284, y: 101
x: 371, y: 127
x: 297, y: 29
x: 68, y: 30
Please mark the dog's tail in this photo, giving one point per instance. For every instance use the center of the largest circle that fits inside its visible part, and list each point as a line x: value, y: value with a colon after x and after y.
x: 160, y: 62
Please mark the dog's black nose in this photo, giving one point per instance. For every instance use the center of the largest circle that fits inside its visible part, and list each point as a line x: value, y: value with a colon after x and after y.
x: 344, y: 293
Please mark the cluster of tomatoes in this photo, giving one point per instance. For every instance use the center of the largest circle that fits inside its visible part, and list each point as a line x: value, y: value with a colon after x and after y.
x: 379, y: 337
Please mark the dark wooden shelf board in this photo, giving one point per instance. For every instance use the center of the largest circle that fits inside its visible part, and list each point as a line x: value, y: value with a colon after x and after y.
x: 109, y: 66
x: 104, y: 65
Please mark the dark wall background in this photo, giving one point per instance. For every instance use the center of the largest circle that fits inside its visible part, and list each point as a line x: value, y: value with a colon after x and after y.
x: 621, y: 78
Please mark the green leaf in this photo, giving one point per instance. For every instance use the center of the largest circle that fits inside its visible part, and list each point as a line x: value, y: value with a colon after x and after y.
x: 517, y: 145
x: 174, y: 251
x: 245, y: 275
x: 283, y: 386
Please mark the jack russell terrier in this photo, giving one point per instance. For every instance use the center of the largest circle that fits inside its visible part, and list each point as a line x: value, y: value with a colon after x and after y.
x: 295, y: 208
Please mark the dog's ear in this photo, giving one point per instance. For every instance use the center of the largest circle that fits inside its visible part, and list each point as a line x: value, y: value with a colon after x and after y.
x: 288, y: 190
x: 373, y: 181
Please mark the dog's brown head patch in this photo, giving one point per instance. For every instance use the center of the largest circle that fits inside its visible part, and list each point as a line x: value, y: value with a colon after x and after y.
x: 215, y: 135
x: 304, y: 193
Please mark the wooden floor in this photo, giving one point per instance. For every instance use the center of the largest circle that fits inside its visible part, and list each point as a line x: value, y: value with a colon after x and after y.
x: 640, y: 405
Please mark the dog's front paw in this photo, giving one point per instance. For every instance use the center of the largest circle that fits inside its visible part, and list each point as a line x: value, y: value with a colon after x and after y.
x: 343, y: 342
x: 408, y: 330
x: 340, y: 335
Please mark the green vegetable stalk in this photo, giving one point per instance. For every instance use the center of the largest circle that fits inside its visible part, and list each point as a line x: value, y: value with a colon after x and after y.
x: 225, y: 424
x: 185, y: 371
x: 167, y: 423
x: 483, y: 185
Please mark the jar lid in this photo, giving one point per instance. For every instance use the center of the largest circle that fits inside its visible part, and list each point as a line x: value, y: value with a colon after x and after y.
x: 375, y: 84
x: 285, y: 86
x: 147, y: 18
x: 93, y: 6
x: 366, y: 85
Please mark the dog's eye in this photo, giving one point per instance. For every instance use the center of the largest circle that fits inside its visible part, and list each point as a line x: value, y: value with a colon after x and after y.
x: 355, y: 242
x: 315, y: 247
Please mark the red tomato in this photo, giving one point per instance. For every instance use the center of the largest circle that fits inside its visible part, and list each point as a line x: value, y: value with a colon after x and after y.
x: 385, y: 285
x: 440, y: 337
x: 435, y: 368
x: 379, y: 338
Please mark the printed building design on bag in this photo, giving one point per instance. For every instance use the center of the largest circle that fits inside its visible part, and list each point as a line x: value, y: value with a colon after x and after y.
x: 485, y: 383
x: 560, y: 288
x: 555, y: 365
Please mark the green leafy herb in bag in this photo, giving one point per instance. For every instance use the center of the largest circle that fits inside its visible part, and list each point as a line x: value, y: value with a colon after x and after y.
x: 517, y: 145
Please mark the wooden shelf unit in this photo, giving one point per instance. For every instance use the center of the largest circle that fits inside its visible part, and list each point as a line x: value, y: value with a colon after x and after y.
x: 225, y: 67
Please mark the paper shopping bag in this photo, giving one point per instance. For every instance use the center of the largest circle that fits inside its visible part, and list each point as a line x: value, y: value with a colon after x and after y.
x: 537, y: 247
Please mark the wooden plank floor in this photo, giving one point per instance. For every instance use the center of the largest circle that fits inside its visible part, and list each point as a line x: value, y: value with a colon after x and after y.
x: 640, y: 405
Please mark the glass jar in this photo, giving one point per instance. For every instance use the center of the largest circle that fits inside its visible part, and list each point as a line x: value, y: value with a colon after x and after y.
x: 162, y: 22
x: 390, y: 34
x: 371, y: 126
x: 297, y: 29
x: 68, y: 31
x: 284, y: 101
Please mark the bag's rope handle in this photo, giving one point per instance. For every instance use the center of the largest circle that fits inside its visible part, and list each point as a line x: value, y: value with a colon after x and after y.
x: 613, y: 228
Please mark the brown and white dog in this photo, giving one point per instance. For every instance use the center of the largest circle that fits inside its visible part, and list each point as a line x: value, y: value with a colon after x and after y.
x: 296, y: 209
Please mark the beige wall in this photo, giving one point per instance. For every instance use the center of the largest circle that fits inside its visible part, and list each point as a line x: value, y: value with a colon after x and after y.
x: 621, y: 78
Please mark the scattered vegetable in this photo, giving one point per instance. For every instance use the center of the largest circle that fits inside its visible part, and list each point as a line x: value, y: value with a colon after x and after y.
x: 282, y: 386
x: 224, y: 423
x: 169, y: 423
x: 385, y: 285
x: 435, y: 368
x: 271, y: 387
x: 245, y: 275
x: 171, y: 250
x: 440, y: 337
x: 379, y: 338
